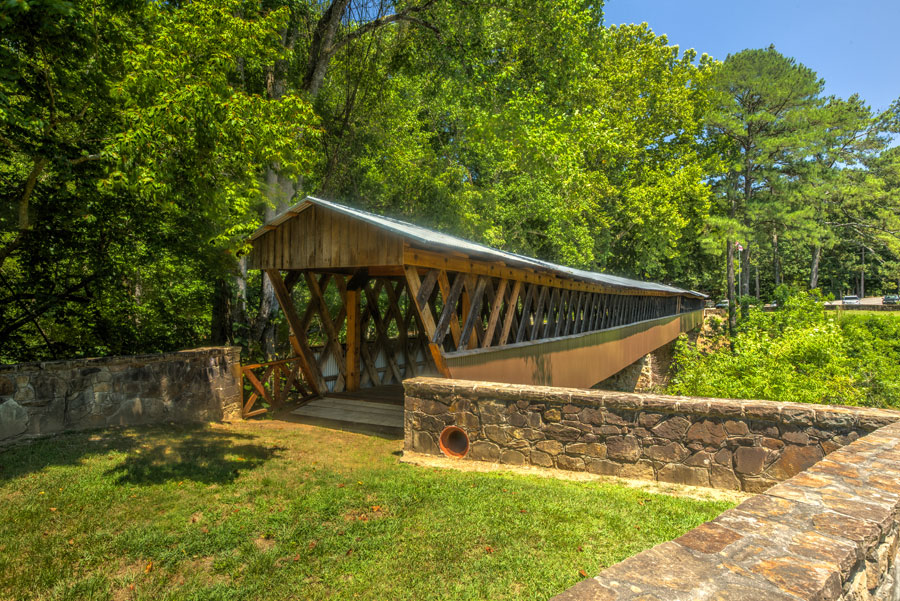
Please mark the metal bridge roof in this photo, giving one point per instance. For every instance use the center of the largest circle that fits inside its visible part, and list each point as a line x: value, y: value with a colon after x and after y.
x: 434, y: 240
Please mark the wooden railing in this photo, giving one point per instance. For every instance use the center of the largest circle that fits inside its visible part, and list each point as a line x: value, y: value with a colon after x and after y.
x: 275, y: 385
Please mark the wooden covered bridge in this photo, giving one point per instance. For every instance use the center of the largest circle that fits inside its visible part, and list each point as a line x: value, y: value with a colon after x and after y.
x: 386, y: 300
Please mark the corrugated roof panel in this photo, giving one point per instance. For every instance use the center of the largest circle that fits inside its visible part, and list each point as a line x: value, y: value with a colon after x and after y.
x: 432, y: 238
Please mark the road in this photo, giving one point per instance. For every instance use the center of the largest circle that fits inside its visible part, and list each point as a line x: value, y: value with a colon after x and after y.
x: 869, y: 300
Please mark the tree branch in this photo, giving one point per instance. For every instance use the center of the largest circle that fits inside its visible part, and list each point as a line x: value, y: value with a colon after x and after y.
x: 381, y: 22
x: 324, y: 46
x: 24, y: 219
x: 85, y: 159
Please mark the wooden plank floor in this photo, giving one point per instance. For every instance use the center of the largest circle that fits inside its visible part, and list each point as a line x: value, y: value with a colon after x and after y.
x: 372, y: 410
x: 354, y: 411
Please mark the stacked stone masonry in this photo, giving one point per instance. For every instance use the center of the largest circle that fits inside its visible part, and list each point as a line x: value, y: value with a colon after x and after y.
x: 828, y: 531
x: 40, y: 399
x: 727, y: 444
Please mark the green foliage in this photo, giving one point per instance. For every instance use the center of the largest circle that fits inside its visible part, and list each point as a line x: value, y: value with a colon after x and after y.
x: 158, y: 136
x: 804, y: 189
x: 133, y: 169
x: 799, y: 353
x: 195, y: 141
x: 583, y: 152
x: 142, y: 142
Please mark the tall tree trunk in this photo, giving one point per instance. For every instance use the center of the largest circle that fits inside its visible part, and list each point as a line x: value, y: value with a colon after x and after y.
x: 25, y: 225
x: 814, y: 269
x: 729, y: 271
x: 241, y: 313
x: 776, y: 261
x: 748, y: 192
x: 756, y: 272
x: 320, y: 51
x: 222, y: 317
x: 745, y: 271
x: 862, y: 273
x: 278, y: 189
x: 280, y: 192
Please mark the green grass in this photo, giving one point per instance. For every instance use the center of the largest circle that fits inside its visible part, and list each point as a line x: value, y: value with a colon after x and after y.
x: 273, y: 510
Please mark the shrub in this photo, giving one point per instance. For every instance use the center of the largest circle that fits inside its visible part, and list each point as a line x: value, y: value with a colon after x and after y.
x: 799, y: 353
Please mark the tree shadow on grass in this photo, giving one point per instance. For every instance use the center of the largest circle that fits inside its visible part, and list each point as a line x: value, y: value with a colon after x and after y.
x: 153, y: 455
x: 210, y: 457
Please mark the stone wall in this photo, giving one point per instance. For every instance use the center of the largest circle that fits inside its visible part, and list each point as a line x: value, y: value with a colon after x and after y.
x: 828, y: 533
x: 39, y: 399
x: 729, y: 444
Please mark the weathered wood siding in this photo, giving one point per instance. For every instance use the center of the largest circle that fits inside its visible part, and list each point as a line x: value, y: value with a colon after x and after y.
x: 319, y: 238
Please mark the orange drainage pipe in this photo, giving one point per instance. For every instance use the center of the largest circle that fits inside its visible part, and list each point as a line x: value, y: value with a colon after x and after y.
x: 454, y: 442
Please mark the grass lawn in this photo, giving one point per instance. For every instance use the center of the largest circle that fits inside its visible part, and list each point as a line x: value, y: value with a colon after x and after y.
x: 275, y: 510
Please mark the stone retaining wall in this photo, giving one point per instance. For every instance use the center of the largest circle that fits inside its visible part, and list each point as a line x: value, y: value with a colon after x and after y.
x: 828, y: 533
x: 729, y: 444
x: 39, y: 399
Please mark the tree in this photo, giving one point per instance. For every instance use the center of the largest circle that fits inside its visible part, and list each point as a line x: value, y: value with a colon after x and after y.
x: 766, y: 111
x: 56, y: 112
x: 134, y: 169
x: 180, y: 127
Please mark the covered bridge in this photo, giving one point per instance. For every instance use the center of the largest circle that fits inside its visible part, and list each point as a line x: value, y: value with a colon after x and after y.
x: 389, y: 300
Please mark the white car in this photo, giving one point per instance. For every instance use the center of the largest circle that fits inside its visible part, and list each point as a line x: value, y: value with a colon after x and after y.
x: 851, y: 300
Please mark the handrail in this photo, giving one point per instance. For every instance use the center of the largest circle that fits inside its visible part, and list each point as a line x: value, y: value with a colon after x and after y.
x: 275, y: 385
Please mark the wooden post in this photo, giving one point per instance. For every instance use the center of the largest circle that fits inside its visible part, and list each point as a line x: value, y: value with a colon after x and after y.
x: 353, y: 340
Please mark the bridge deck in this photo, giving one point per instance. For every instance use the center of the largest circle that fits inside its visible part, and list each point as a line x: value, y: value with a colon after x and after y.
x: 379, y: 409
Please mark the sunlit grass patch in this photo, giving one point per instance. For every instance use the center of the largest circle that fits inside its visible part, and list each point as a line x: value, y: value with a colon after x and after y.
x: 273, y: 510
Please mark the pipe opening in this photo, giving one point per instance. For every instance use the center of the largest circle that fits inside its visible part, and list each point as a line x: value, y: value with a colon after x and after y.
x: 454, y: 442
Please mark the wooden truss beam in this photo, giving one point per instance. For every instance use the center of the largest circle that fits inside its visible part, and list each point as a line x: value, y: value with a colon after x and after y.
x: 419, y: 295
x: 511, y: 306
x: 494, y: 319
x: 435, y: 309
x: 468, y: 337
x: 290, y: 313
x: 448, y: 317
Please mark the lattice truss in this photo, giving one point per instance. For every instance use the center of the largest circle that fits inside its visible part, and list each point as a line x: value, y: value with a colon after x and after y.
x: 359, y: 331
x: 484, y: 311
x: 371, y: 318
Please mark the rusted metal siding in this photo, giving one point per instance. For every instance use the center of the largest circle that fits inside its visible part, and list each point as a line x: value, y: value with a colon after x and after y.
x: 578, y: 361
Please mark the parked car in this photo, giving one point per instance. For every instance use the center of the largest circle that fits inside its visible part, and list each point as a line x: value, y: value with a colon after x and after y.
x: 851, y: 299
x: 722, y: 304
x: 891, y: 299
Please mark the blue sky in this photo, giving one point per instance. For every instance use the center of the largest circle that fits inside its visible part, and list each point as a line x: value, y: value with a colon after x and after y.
x: 851, y: 44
